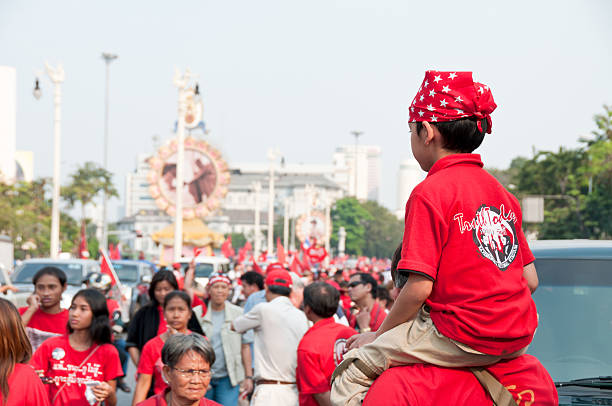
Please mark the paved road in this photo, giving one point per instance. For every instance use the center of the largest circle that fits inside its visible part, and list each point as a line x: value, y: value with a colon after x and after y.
x: 125, y: 399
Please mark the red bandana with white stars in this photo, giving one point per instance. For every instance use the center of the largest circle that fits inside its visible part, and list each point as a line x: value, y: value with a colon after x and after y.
x: 449, y: 96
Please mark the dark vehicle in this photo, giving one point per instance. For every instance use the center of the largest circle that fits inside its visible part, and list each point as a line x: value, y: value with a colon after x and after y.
x: 135, y: 276
x: 574, y: 302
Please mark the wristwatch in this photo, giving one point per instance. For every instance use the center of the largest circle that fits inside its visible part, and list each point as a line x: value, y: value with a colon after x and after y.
x: 366, y: 330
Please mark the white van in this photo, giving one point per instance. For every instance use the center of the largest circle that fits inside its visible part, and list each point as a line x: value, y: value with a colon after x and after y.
x: 205, y: 266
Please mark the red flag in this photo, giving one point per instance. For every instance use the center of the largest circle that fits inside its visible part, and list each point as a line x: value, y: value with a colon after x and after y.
x: 280, y: 251
x: 226, y: 248
x: 83, y: 251
x: 295, y: 266
x: 106, y: 267
x: 241, y: 255
x: 113, y: 251
x: 256, y: 267
x: 263, y: 256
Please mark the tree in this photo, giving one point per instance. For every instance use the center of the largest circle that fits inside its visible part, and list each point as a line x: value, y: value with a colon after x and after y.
x: 238, y: 240
x: 85, y: 184
x: 384, y: 231
x: 25, y: 216
x: 576, y: 184
x: 351, y: 215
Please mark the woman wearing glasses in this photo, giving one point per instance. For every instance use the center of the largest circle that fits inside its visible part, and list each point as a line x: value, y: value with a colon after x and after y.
x: 177, y: 312
x: 186, y: 367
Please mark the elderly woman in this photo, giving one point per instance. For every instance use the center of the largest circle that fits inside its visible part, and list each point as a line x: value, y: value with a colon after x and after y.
x: 187, y: 361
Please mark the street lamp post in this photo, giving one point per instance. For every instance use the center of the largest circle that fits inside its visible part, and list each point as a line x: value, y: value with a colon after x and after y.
x: 181, y: 82
x: 57, y: 77
x: 272, y: 155
x: 356, y: 134
x: 108, y: 58
x: 257, y: 241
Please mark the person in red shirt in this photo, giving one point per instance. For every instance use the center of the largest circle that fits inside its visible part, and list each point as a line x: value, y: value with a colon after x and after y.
x: 149, y: 322
x: 428, y: 385
x: 463, y: 232
x: 82, y: 366
x: 103, y: 284
x: 43, y: 317
x: 367, y: 315
x: 186, y: 360
x: 322, y: 347
x: 177, y: 312
x: 19, y: 384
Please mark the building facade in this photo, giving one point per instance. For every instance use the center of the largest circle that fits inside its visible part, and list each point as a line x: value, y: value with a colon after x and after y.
x: 409, y: 175
x: 357, y: 170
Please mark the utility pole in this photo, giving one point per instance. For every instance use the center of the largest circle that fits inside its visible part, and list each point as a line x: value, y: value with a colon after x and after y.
x: 272, y: 155
x: 356, y: 134
x: 257, y: 242
x: 181, y: 82
x: 57, y: 77
x: 108, y: 58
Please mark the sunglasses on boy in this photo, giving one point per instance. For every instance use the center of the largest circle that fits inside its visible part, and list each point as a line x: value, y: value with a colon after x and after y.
x: 355, y: 284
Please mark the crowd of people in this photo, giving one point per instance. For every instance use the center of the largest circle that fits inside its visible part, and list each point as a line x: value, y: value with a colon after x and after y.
x: 448, y: 322
x: 244, y: 329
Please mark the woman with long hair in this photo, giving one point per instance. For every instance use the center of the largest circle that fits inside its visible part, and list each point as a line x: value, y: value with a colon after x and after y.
x: 149, y: 322
x: 177, y: 312
x: 19, y: 384
x: 82, y: 366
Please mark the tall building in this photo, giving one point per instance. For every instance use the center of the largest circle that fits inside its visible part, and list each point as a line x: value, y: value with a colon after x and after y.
x: 137, y: 196
x: 8, y: 123
x: 357, y: 170
x: 410, y: 174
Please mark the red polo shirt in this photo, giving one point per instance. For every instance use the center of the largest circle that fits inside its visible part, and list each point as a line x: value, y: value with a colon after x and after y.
x: 377, y: 316
x: 319, y: 352
x: 463, y: 230
x: 429, y: 385
x: 160, y: 400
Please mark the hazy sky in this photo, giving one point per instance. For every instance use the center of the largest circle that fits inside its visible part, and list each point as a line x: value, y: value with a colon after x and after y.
x: 300, y: 75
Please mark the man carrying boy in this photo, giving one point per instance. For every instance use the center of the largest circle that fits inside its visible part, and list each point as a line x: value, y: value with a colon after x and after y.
x: 466, y: 301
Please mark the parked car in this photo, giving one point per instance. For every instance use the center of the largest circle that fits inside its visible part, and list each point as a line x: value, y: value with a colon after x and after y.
x: 205, y: 266
x: 76, y: 270
x: 135, y: 276
x: 574, y: 302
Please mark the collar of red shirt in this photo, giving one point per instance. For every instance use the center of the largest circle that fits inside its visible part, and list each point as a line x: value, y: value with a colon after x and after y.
x: 455, y: 159
x: 322, y: 323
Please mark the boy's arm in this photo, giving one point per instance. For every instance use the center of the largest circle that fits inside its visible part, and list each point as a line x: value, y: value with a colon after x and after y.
x: 531, y: 276
x: 405, y: 308
x: 410, y: 299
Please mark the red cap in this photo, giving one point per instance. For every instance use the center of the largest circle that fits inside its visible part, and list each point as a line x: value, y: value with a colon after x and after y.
x: 449, y: 96
x: 219, y: 278
x: 278, y: 277
x: 334, y: 284
x: 176, y: 265
x: 275, y: 266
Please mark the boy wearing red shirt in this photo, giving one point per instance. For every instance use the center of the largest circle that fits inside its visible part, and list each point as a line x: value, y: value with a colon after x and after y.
x: 322, y: 347
x: 44, y: 318
x: 467, y: 300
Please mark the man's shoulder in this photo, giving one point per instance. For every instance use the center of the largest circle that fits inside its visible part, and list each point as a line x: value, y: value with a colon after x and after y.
x: 233, y: 309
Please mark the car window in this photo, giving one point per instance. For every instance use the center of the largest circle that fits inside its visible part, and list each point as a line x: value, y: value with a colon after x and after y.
x: 126, y: 272
x: 574, y: 303
x: 203, y: 270
x: 73, y: 271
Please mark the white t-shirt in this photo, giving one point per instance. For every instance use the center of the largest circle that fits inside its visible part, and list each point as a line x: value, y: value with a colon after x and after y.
x: 279, y: 327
